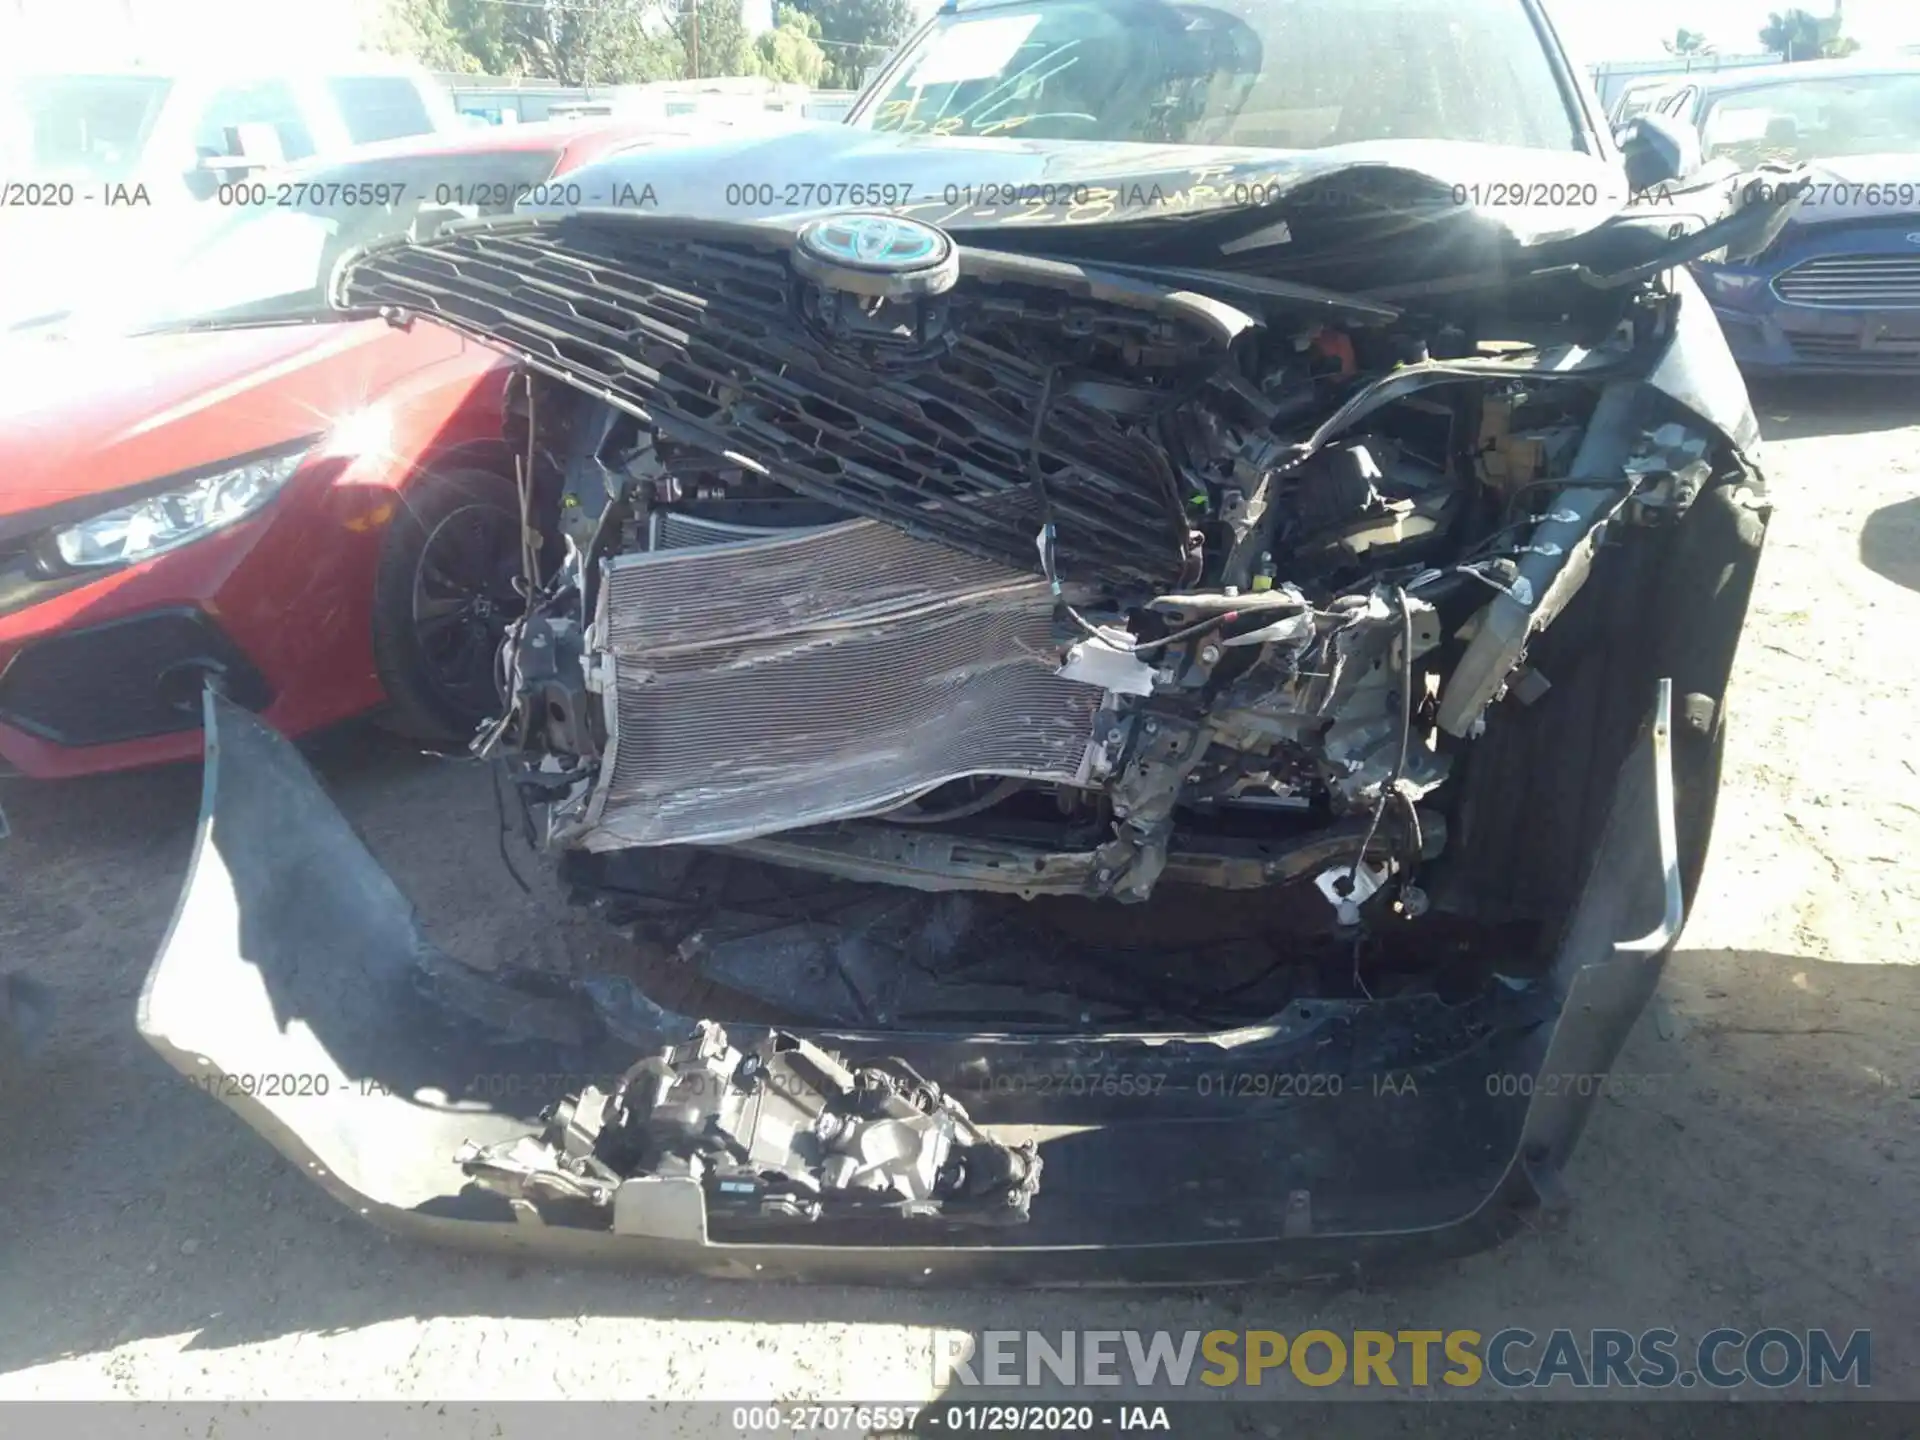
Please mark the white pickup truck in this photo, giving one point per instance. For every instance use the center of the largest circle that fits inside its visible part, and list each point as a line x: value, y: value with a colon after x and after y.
x: 94, y: 162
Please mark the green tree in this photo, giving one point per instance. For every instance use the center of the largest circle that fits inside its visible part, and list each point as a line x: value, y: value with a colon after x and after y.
x: 1688, y: 42
x: 790, y: 52
x: 607, y: 42
x: 1793, y: 34
x: 857, y: 35
x: 603, y: 42
x: 425, y: 30
x: 708, y: 37
x: 1801, y: 35
x: 572, y: 42
x: 485, y: 34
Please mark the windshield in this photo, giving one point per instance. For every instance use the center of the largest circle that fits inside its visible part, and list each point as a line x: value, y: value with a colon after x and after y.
x: 1290, y: 74
x: 1639, y: 102
x: 77, y: 126
x: 271, y: 261
x: 1817, y: 119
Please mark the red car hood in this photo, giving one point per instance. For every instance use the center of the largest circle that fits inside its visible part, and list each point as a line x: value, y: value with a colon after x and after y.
x: 85, y: 417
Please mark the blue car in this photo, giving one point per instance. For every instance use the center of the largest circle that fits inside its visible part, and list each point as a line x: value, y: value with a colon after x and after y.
x: 1839, y: 291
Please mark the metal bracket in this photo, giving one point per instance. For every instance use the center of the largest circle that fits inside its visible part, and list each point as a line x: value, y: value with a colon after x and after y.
x: 1347, y: 887
x: 1674, y: 915
x: 661, y: 1207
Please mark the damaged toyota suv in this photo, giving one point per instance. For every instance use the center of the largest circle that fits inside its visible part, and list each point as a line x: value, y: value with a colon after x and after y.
x: 1146, y: 623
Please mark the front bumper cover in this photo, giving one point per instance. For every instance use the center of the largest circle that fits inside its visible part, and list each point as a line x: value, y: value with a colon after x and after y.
x: 1338, y: 1137
x: 1783, y: 340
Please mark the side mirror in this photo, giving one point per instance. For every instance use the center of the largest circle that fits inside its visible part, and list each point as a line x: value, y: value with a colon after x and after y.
x: 1658, y: 150
x: 249, y: 149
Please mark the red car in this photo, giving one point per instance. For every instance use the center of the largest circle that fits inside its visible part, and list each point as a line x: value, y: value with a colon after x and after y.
x: 316, y: 512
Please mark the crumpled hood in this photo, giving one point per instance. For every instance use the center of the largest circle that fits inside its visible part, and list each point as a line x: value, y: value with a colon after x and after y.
x: 1848, y: 188
x: 1537, y: 196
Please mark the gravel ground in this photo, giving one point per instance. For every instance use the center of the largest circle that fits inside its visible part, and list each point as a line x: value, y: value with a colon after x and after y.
x: 151, y: 1246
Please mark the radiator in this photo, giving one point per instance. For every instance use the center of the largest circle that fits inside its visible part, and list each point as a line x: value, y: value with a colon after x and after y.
x: 817, y: 675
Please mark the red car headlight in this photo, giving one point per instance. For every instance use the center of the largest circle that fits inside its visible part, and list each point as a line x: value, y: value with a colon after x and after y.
x: 210, y: 500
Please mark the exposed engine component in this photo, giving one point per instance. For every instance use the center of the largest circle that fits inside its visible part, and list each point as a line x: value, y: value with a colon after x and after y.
x: 1038, y: 579
x: 1347, y: 510
x: 779, y: 1131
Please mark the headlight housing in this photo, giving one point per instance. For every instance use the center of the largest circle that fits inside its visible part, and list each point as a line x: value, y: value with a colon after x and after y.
x: 208, y: 501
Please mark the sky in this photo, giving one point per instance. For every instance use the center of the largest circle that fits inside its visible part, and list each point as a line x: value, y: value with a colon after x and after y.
x: 36, y: 31
x: 199, y: 33
x: 1633, y: 29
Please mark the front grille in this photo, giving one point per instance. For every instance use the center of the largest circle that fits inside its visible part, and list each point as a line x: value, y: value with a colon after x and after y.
x: 1853, y: 282
x: 125, y: 680
x: 1829, y: 347
x: 813, y: 676
x: 702, y: 337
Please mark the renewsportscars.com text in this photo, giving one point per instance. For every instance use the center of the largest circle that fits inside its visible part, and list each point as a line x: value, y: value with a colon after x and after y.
x: 1508, y: 1359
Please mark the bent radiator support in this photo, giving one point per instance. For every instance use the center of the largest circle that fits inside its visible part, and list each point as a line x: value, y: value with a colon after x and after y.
x: 815, y: 676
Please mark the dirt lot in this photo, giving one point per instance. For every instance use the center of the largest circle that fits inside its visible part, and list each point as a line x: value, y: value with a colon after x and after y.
x: 151, y: 1246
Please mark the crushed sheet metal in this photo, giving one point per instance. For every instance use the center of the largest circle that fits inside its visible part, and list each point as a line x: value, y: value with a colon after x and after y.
x: 1550, y: 580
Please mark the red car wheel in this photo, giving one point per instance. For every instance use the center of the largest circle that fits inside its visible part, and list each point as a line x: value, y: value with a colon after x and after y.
x: 443, y: 601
